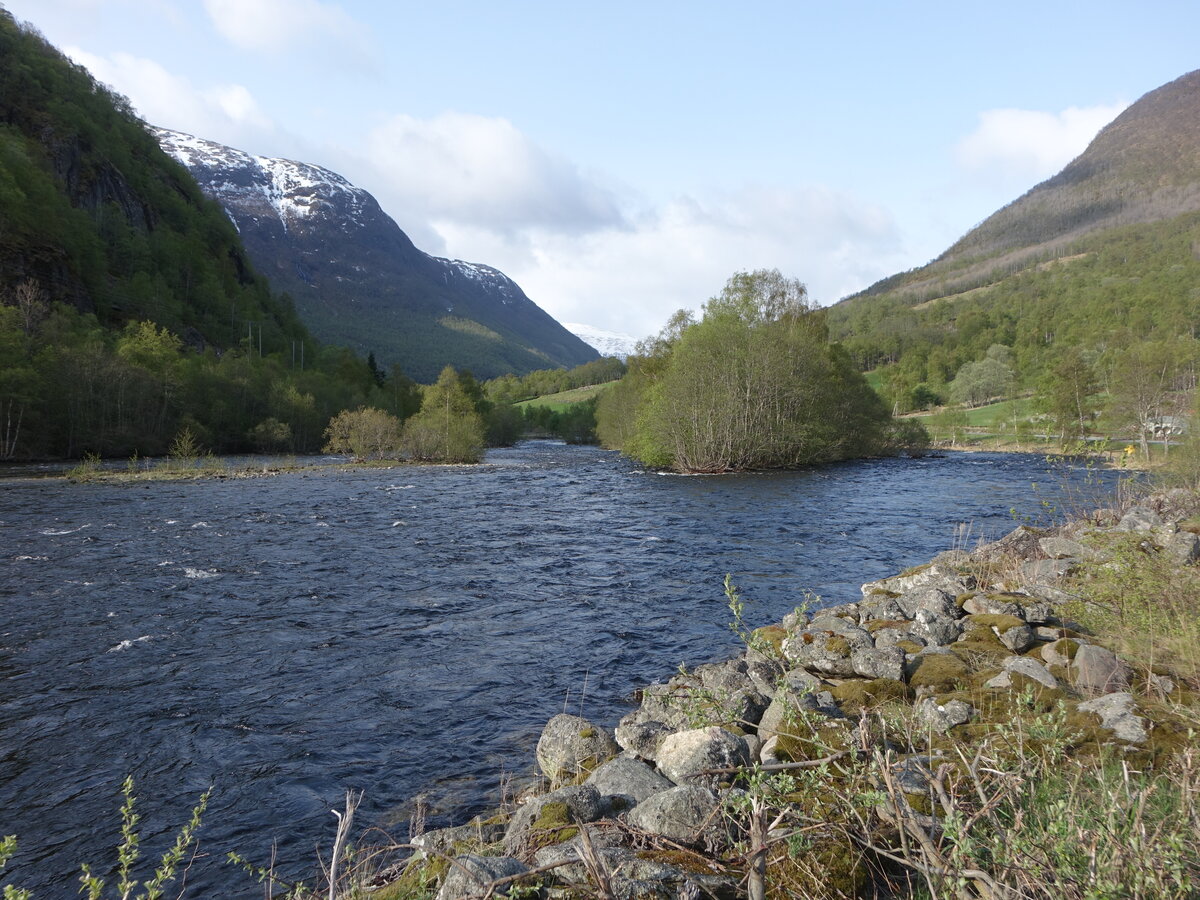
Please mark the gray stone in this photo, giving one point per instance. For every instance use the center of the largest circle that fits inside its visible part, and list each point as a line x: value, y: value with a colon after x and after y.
x: 1020, y: 543
x: 875, y: 662
x: 788, y: 703
x: 472, y: 875
x: 1041, y: 571
x: 1160, y: 684
x: 890, y: 637
x: 640, y: 735
x: 764, y: 673
x: 443, y: 840
x: 568, y: 852
x: 1018, y: 639
x: 683, y: 814
x: 880, y: 607
x: 1116, y: 712
x: 583, y: 801
x: 1022, y: 665
x: 570, y: 746
x: 1065, y: 548
x: 952, y: 559
x: 1048, y: 593
x: 845, y: 610
x: 941, y: 717
x: 946, y: 578
x: 937, y: 629
x: 1098, y: 671
x: 820, y: 651
x: 858, y: 638
x: 684, y: 755
x: 912, y: 775
x: 931, y: 600
x: 1183, y: 547
x: 726, y: 692
x: 1060, y: 652
x: 1140, y: 519
x: 624, y: 783
x: 992, y: 605
x: 633, y: 878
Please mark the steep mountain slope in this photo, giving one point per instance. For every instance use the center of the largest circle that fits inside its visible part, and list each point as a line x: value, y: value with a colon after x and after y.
x: 1101, y: 257
x: 1142, y: 167
x: 95, y: 215
x: 358, y: 280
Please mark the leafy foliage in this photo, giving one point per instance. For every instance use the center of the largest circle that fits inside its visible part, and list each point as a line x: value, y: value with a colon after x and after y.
x: 755, y: 384
x: 448, y: 428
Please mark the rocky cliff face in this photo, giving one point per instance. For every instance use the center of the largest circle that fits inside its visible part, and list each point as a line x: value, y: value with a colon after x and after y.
x: 358, y: 280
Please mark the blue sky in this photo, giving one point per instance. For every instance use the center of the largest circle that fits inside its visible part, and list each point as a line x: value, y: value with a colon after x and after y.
x: 621, y: 160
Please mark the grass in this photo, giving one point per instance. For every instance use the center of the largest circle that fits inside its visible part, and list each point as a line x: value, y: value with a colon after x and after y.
x: 563, y: 399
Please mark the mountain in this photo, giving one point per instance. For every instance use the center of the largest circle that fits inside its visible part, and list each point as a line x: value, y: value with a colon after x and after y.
x: 93, y: 213
x: 358, y: 280
x: 608, y: 343
x: 1101, y: 257
x: 1142, y: 167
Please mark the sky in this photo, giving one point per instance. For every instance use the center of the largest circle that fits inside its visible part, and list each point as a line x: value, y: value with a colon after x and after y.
x: 621, y: 160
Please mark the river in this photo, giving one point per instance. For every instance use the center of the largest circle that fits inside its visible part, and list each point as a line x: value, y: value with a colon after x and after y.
x: 401, y: 631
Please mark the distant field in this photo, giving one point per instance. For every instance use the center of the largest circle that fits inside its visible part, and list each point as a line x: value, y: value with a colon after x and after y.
x: 563, y: 399
x: 875, y: 380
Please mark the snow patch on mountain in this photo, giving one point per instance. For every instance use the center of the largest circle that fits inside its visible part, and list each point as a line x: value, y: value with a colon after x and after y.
x: 294, y: 190
x: 492, y: 279
x: 606, y: 343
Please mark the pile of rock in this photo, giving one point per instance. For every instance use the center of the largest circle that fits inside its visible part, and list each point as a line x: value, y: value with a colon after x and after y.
x: 646, y: 807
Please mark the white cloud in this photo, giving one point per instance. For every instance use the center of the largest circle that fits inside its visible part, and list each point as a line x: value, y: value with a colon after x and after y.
x: 471, y: 170
x: 1030, y: 144
x: 227, y: 113
x: 277, y: 26
x: 631, y: 279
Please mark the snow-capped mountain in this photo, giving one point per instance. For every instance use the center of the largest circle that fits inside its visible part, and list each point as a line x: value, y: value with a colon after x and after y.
x: 358, y: 280
x: 608, y: 343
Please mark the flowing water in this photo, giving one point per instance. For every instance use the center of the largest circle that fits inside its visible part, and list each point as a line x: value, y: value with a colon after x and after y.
x: 399, y: 631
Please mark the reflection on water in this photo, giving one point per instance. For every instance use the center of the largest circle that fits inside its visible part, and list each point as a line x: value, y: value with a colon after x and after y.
x: 396, y: 631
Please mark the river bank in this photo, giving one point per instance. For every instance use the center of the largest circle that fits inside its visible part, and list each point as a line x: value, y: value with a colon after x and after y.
x: 1011, y: 720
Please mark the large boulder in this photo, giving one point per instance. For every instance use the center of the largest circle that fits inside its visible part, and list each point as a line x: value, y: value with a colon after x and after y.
x: 825, y: 650
x: 687, y: 814
x: 1022, y: 665
x: 685, y: 755
x: 640, y: 735
x: 473, y: 875
x: 929, y: 599
x: 1098, y: 671
x: 876, y: 662
x: 550, y: 818
x: 624, y: 783
x: 571, y: 746
x: 1140, y: 519
x: 1116, y: 712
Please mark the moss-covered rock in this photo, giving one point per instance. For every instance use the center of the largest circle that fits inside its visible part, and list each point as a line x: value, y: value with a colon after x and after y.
x: 938, y: 672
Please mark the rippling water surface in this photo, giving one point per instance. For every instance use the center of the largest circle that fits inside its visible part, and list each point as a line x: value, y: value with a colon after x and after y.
x: 397, y: 632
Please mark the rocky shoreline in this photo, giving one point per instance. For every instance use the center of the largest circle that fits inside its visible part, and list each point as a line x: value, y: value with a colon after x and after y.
x: 823, y: 759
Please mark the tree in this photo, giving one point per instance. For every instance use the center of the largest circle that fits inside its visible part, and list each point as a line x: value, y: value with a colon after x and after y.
x: 754, y: 384
x: 1064, y: 391
x: 1146, y: 386
x: 448, y: 428
x: 978, y: 382
x: 365, y: 433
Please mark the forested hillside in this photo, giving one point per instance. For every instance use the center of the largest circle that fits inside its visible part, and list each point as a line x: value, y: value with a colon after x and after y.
x: 128, y: 310
x: 1070, y: 290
